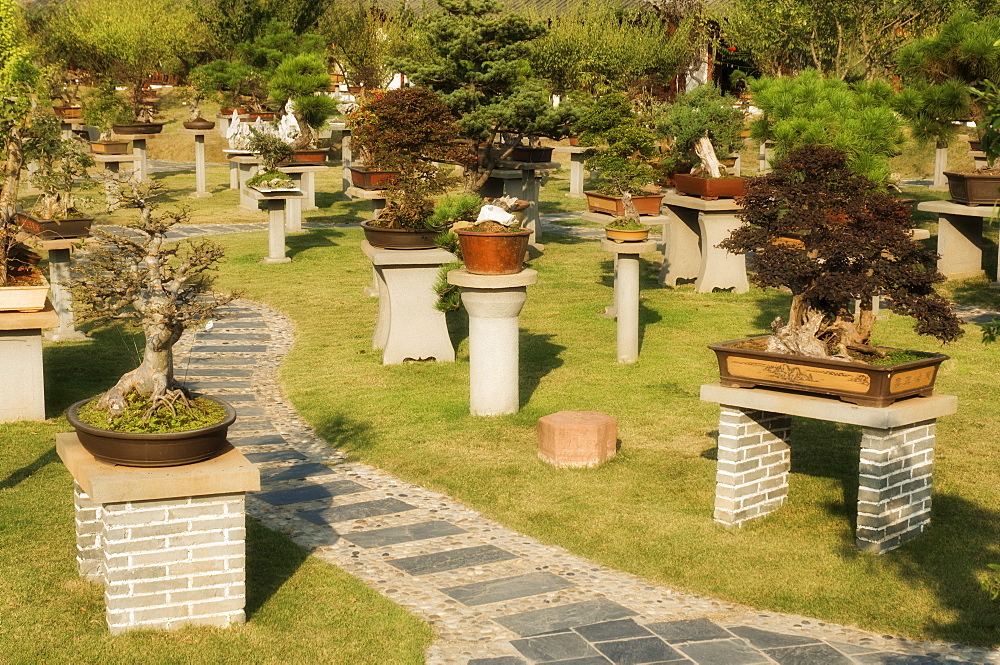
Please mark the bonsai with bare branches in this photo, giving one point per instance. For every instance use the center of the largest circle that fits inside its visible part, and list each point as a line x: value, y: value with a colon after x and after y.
x: 139, y: 275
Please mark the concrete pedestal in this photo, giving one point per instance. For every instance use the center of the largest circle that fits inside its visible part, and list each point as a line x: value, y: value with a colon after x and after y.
x: 494, y: 304
x: 200, y: 179
x: 376, y: 196
x: 167, y: 544
x: 22, y: 383
x: 960, y: 236
x: 304, y: 178
x: 409, y: 327
x: 60, y: 264
x: 521, y: 180
x: 246, y: 168
x: 626, y: 293
x: 691, y: 237
x: 895, y: 473
x: 978, y: 159
x: 346, y: 159
x: 940, y: 166
x: 112, y: 163
x: 576, y: 170
x: 139, y: 150
x: 275, y: 203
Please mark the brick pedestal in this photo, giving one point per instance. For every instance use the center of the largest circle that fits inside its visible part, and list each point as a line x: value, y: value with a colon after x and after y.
x: 169, y: 544
x: 894, y: 475
x: 577, y: 438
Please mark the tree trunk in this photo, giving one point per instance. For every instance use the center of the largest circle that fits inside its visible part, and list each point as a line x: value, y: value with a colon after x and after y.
x: 152, y: 379
x: 706, y: 153
x: 800, y: 335
x: 631, y: 213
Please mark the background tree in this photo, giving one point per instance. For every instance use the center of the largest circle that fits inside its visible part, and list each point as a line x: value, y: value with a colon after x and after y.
x: 362, y: 38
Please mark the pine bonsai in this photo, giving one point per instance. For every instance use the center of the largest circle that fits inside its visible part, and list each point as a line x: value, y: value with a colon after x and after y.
x: 830, y: 236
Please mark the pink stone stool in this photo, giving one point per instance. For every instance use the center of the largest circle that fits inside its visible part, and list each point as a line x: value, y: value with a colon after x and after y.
x: 577, y: 438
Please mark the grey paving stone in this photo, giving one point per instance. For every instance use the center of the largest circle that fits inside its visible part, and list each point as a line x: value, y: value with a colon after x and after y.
x: 275, y: 456
x: 851, y: 649
x: 722, y: 652
x: 249, y: 411
x: 810, y: 654
x: 765, y: 639
x: 586, y: 660
x: 689, y: 630
x: 438, y: 562
x: 612, y: 630
x: 231, y: 348
x: 217, y: 371
x: 250, y: 425
x: 403, y: 534
x: 355, y: 511
x: 219, y: 385
x: 232, y: 397
x: 502, y: 660
x: 902, y: 659
x: 508, y: 588
x: 295, y: 472
x: 260, y: 440
x: 221, y: 360
x: 548, y: 648
x: 638, y: 650
x: 310, y: 492
x: 213, y: 336
x: 560, y: 617
x: 248, y: 324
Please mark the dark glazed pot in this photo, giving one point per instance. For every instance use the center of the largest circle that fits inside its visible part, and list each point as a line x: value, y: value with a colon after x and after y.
x: 494, y: 253
x: 974, y: 188
x: 153, y: 450
x: 399, y: 238
x: 138, y: 128
x: 54, y: 229
x: 199, y: 123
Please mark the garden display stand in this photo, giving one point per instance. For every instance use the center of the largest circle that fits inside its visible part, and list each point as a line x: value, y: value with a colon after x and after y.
x: 139, y: 150
x: 626, y: 294
x: 246, y: 166
x: 895, y: 474
x: 376, y: 196
x: 276, y: 204
x: 346, y: 157
x: 60, y: 264
x: 168, y: 544
x: 960, y: 235
x: 691, y: 237
x: 576, y: 169
x: 494, y: 304
x: 521, y: 180
x: 409, y: 326
x: 201, y: 182
x: 22, y: 388
x: 304, y: 177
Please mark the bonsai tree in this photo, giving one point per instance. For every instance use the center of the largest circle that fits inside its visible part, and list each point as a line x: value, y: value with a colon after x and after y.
x: 989, y: 98
x: 230, y: 82
x: 60, y: 163
x: 703, y: 112
x: 361, y: 37
x: 272, y: 151
x: 301, y: 79
x: 162, y: 286
x: 830, y: 236
x: 610, y: 120
x: 103, y: 108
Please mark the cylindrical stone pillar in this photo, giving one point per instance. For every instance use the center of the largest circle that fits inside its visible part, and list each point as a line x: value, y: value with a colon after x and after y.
x: 201, y: 182
x: 494, y: 304
x: 626, y: 294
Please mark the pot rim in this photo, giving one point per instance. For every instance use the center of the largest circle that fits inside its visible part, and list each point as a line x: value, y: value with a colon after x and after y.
x: 495, y: 234
x: 618, y: 196
x: 931, y: 357
x: 367, y: 225
x: 74, y: 418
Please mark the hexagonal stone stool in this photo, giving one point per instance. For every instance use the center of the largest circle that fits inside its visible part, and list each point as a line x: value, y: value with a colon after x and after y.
x: 577, y: 438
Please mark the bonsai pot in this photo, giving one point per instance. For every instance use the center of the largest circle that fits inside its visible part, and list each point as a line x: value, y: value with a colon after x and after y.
x: 109, y: 147
x: 626, y: 235
x: 646, y: 204
x: 229, y: 111
x: 526, y: 154
x: 55, y: 229
x: 856, y: 383
x: 317, y: 156
x: 68, y: 112
x: 17, y: 298
x: 138, y: 128
x: 399, y: 238
x: 974, y: 188
x: 199, y: 123
x: 153, y: 450
x: 574, y: 141
x: 262, y: 115
x: 493, y: 253
x: 710, y: 188
x: 366, y: 178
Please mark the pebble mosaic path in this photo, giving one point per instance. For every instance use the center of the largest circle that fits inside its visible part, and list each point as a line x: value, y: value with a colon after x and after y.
x: 493, y: 596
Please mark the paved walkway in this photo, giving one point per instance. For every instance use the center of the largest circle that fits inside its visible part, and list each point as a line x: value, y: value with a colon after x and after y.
x: 492, y: 595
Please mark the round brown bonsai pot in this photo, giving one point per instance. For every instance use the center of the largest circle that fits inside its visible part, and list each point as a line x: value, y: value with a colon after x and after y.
x: 199, y: 123
x: 500, y: 253
x: 138, y: 128
x: 626, y: 235
x: 153, y: 450
x: 399, y: 238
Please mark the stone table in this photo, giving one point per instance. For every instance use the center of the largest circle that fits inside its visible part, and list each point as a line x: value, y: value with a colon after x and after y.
x: 576, y: 170
x: 275, y: 202
x: 376, y: 196
x: 626, y: 293
x: 200, y: 180
x: 246, y: 167
x: 168, y: 544
x: 409, y: 326
x: 494, y: 304
x: 895, y: 474
x: 521, y: 180
x: 112, y: 163
x: 960, y: 236
x: 690, y: 237
x: 22, y: 388
x: 304, y: 177
x: 138, y: 149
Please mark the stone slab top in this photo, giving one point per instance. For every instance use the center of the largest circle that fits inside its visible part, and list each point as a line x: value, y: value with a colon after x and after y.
x: 359, y: 193
x: 952, y: 208
x: 406, y: 257
x: 303, y: 168
x: 244, y: 159
x: 132, y: 137
x: 110, y: 159
x: 109, y: 483
x: 695, y: 203
x: 46, y: 318
x: 464, y: 278
x: 272, y: 196
x: 528, y: 166
x: 571, y: 149
x: 628, y: 247
x: 337, y: 126
x: 604, y: 218
x: 902, y: 413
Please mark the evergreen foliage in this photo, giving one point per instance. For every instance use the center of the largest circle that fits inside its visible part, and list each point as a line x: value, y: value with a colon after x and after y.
x: 703, y: 111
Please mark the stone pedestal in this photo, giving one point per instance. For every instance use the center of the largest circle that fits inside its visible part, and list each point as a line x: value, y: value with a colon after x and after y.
x: 409, y: 327
x: 275, y: 203
x: 22, y: 383
x: 304, y: 177
x: 200, y: 179
x: 690, y: 239
x: 895, y: 474
x: 521, y: 180
x: 139, y: 150
x: 940, y: 166
x: 60, y: 264
x: 626, y: 293
x: 576, y: 170
x: 577, y: 438
x: 167, y: 544
x: 978, y: 159
x: 960, y: 236
x: 346, y: 159
x: 112, y: 163
x: 376, y: 196
x: 246, y: 168
x: 494, y: 304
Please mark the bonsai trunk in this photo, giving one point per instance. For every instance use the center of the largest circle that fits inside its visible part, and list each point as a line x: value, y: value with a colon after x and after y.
x: 8, y: 199
x: 709, y: 160
x: 306, y: 135
x: 809, y: 333
x: 631, y: 213
x: 153, y: 379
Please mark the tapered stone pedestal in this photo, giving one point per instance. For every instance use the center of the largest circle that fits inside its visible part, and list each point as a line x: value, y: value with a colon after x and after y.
x: 304, y: 177
x: 60, y: 264
x: 626, y: 293
x: 960, y: 237
x: 200, y: 179
x: 22, y: 382
x: 576, y: 170
x: 691, y: 238
x: 139, y: 150
x: 494, y: 305
x: 275, y: 203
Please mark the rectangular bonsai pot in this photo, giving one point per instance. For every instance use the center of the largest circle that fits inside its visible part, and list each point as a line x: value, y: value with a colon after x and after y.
x: 856, y: 383
x: 109, y: 147
x: 710, y: 188
x: 526, y: 154
x: 366, y: 178
x: 317, y: 156
x: 55, y: 229
x: 973, y: 188
x: 646, y: 204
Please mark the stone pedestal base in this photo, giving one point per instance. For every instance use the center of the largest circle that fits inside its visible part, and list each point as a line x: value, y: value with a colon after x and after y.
x: 894, y: 477
x: 577, y: 438
x: 200, y: 178
x: 22, y: 388
x: 691, y: 241
x: 494, y: 304
x: 960, y: 237
x: 276, y: 205
x: 626, y: 294
x: 168, y: 544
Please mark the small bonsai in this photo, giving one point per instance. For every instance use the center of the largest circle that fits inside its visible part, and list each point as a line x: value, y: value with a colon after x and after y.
x: 624, y: 224
x: 104, y: 108
x: 141, y: 277
x: 60, y: 163
x: 695, y: 115
x: 302, y: 80
x: 272, y: 151
x: 830, y: 236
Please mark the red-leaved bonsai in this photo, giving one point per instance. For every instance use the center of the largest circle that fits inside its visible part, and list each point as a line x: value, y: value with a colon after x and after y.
x: 832, y: 237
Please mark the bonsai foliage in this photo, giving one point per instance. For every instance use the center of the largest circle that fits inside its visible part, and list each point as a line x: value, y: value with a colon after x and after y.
x: 989, y: 125
x: 60, y: 163
x: 812, y: 110
x: 229, y: 81
x: 299, y: 78
x: 104, y: 108
x: 139, y: 276
x: 831, y: 237
x: 272, y: 151
x: 703, y: 111
x: 362, y: 38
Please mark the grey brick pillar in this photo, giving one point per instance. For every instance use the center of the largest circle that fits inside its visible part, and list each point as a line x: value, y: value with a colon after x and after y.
x: 89, y: 557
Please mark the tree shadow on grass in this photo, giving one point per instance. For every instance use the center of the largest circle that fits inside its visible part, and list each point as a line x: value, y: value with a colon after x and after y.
x: 344, y: 433
x: 538, y: 357
x: 311, y: 239
x: 77, y: 370
x: 562, y: 239
x: 272, y: 559
x: 18, y: 475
